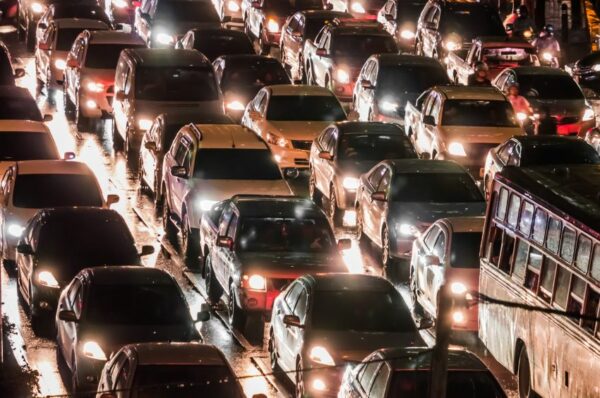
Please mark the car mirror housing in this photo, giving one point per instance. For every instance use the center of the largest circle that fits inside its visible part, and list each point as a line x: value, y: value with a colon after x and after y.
x: 48, y: 118
x: 67, y: 316
x: 432, y: 260
x: 146, y: 250
x: 344, y: 244
x: 179, y: 171
x: 378, y: 196
x: 389, y: 17
x: 111, y: 199
x: 19, y: 72
x: 325, y: 155
x: 424, y: 323
x: 25, y: 248
x: 225, y: 241
x: 72, y: 63
x: 204, y: 313
x: 292, y: 320
x: 69, y: 156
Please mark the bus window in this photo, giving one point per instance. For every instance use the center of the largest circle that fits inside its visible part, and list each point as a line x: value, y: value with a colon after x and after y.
x: 567, y: 249
x: 553, y: 238
x: 513, y: 210
x: 520, y: 260
x: 596, y: 263
x: 526, y: 218
x: 501, y: 209
x: 575, y: 304
x: 494, y: 245
x: 562, y: 287
x: 534, y: 266
x: 506, y: 253
x: 591, y: 310
x: 584, y: 252
x: 546, y: 287
x: 539, y: 226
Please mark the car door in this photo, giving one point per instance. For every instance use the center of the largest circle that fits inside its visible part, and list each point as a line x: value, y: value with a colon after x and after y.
x: 70, y: 329
x: 5, y: 189
x: 228, y: 256
x: 379, y: 208
x: 72, y: 73
x: 148, y: 155
x: 369, y: 94
x: 121, y: 108
x: 435, y: 273
x: 423, y: 247
x: 281, y: 331
x: 124, y: 379
x: 43, y: 56
x: 380, y: 382
x: 63, y: 330
x: 327, y: 166
x: 427, y: 135
x: 217, y: 253
x: 112, y: 375
x: 179, y: 185
x: 366, y: 201
x: 320, y: 62
x: 295, y: 335
x: 289, y: 41
x: 430, y: 31
x: 142, y: 22
x: 360, y: 104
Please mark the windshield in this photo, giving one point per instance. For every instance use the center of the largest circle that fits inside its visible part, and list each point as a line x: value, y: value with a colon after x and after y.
x: 556, y: 87
x: 288, y: 7
x: 19, y: 109
x: 257, y: 73
x: 361, y: 311
x: 464, y: 251
x: 215, y: 45
x: 409, y: 11
x: 435, y: 188
x: 507, y: 57
x: 285, y: 235
x: 472, y: 22
x: 27, y: 146
x: 574, y: 152
x: 590, y: 59
x: 401, y: 79
x: 375, y: 147
x: 37, y: 191
x: 184, y: 381
x: 105, y: 56
x: 461, y: 384
x: 314, y: 25
x: 66, y: 37
x: 242, y: 164
x: 478, y: 113
x: 189, y: 11
x: 80, y: 11
x: 325, y: 108
x: 362, y: 46
x: 176, y: 84
x: 137, y: 304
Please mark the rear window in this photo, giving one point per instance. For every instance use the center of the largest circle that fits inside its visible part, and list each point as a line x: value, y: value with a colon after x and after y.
x: 478, y: 113
x: 436, y: 188
x: 188, y: 11
x: 105, y: 56
x: 236, y: 164
x: 215, y: 45
x: 464, y: 251
x: 305, y: 108
x: 375, y: 147
x: 470, y: 22
x: 20, y: 109
x: 80, y: 11
x: 538, y: 86
x: 461, y: 384
x: 258, y: 73
x: 37, y: 191
x: 27, y: 146
x: 176, y: 84
x: 357, y: 45
x: 66, y: 37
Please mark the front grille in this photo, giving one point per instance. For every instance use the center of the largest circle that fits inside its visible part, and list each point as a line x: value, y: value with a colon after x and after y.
x: 478, y: 152
x: 279, y: 284
x: 304, y: 145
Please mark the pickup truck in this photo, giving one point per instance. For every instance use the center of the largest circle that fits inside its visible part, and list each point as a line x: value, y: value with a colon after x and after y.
x: 497, y: 52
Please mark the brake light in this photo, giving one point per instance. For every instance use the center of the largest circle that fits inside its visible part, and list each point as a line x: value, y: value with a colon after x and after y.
x: 136, y: 4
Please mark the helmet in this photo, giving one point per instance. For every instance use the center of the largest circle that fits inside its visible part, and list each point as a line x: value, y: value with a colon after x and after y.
x: 548, y: 28
x: 481, y: 66
x: 522, y: 11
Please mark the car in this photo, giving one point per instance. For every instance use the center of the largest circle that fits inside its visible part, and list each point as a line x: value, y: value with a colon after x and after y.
x: 322, y: 323
x: 121, y: 11
x: 214, y: 43
x: 50, y: 254
x: 162, y: 23
x: 344, y: 151
x: 18, y: 104
x: 155, y: 368
x: 263, y: 19
x: 552, y: 89
x: 586, y: 70
x: 230, y: 12
x: 461, y: 123
x: 70, y: 10
x: 387, y: 82
x: 337, y: 54
x: 28, y: 186
x: 399, y: 18
x: 527, y: 151
x: 262, y: 244
x: 157, y: 141
x: 451, y: 25
x: 194, y: 177
x: 399, y: 199
x: 105, y: 308
x: 447, y: 253
x: 8, y: 74
x: 406, y: 372
x: 288, y: 118
x: 52, y: 50
x: 149, y: 82
x: 300, y: 27
x: 242, y: 76
x: 366, y: 9
x: 88, y: 86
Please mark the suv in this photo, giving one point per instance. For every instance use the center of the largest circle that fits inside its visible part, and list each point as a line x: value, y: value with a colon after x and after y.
x: 150, y: 82
x: 399, y: 18
x: 207, y: 164
x: 446, y: 26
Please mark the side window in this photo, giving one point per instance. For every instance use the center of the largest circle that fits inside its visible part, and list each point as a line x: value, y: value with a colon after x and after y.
x: 301, y: 304
x: 520, y: 259
x: 367, y: 375
x: 261, y: 106
x: 595, y: 271
x: 436, y: 109
x: 292, y: 295
x: 539, y: 225
x: 233, y: 224
x: 506, y: 253
x: 439, y: 248
x: 493, y: 245
x: 553, y: 238
x: 393, y: 10
x: 584, y: 253
x: 591, y: 309
x: 374, y: 72
x: 534, y: 266
x: 563, y: 279
x: 575, y: 300
x: 330, y: 144
x: 513, y: 210
x: 318, y: 37
x: 293, y: 25
x: 430, y: 237
x: 182, y: 151
x: 116, y: 367
x: 127, y: 80
x: 384, y: 184
x: 422, y: 100
x: 381, y: 380
x: 547, y: 279
x: 526, y: 218
x: 502, y: 202
x: 325, y: 137
x: 515, y: 156
x: 501, y: 80
x: 567, y: 250
x: 73, y: 291
x: 123, y: 376
x: 224, y: 222
x: 505, y: 151
x: 375, y: 176
x: 78, y: 302
x: 301, y: 25
x: 327, y: 43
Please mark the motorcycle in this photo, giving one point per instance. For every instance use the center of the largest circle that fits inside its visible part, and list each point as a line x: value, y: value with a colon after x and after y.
x: 549, y: 58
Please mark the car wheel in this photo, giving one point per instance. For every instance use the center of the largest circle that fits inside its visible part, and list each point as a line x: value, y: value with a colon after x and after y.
x: 69, y: 107
x: 237, y: 316
x: 30, y: 37
x: 213, y: 289
x: 299, y: 390
x: 168, y: 226
x: 158, y: 197
x: 273, y: 353
x: 524, y: 375
x: 417, y: 307
x: 313, y: 191
x: 143, y: 185
x: 83, y: 123
x: 334, y: 211
x: 191, y: 244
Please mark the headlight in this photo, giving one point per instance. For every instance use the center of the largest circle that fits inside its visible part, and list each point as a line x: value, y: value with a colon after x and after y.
x: 165, y: 38
x: 588, y: 115
x: 274, y: 139
x: 521, y: 116
x: 95, y: 87
x: 407, y: 34
x: 388, y: 106
x: 272, y: 26
x: 458, y: 317
x: 452, y: 45
x: 407, y: 230
x: 206, y: 204
x: 320, y: 355
x: 596, y: 68
x: 456, y: 149
x: 350, y: 183
x: 458, y: 288
x: 45, y: 278
x: 233, y: 6
x: 37, y: 8
x: 547, y: 56
x: 342, y: 76
x: 15, y: 230
x: 235, y: 106
x: 358, y: 8
x: 120, y: 3
x: 60, y: 64
x: 144, y: 124
x: 256, y: 282
x: 527, y: 34
x: 91, y: 349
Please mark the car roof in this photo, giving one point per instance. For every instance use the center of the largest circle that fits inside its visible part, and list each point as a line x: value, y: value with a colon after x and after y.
x: 319, y: 14
x: 276, y: 206
x: 355, y: 127
x: 183, y: 116
x: 177, y: 354
x: 9, y: 91
x: 225, y: 136
x: 115, y: 37
x: 424, y: 166
x: 83, y: 23
x: 53, y: 167
x: 167, y: 57
x: 298, y: 89
x: 342, y: 281
x: 539, y: 70
x: 405, y: 59
x: 25, y: 126
x: 128, y: 275
x: 464, y: 224
x: 497, y: 41
x: 472, y: 93
x: 419, y: 358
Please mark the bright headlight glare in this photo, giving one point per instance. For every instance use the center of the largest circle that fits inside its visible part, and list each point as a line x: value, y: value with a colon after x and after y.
x: 452, y: 45
x: 274, y: 139
x: 458, y: 317
x: 527, y: 34
x: 15, y: 230
x: 46, y: 278
x: 233, y: 6
x: 320, y: 355
x: 165, y: 38
x: 407, y: 34
x: 456, y: 149
x: 144, y: 124
x: 206, y: 204
x: 256, y: 282
x: 342, y: 76
x: 389, y: 106
x: 37, y: 8
x: 235, y: 106
x: 119, y: 3
x: 596, y: 68
x: 350, y: 183
x: 588, y: 115
x: 272, y: 26
x: 547, y: 56
x: 358, y: 8
x: 91, y: 349
x: 521, y: 116
x: 60, y: 64
x: 95, y: 87
x: 407, y: 230
x: 458, y: 288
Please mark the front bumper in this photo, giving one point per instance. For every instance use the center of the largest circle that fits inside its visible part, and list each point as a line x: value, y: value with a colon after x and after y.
x: 322, y: 381
x: 290, y: 158
x: 256, y: 300
x: 88, y: 372
x: 44, y: 299
x: 95, y: 105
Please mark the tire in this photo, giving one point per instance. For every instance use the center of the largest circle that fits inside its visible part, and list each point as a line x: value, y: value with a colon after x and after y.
x: 144, y: 188
x: 117, y: 139
x: 313, y: 191
x: 214, y: 291
x: 83, y: 123
x: 334, y: 211
x: 273, y: 353
x: 168, y: 226
x: 524, y: 375
x: 417, y: 307
x: 69, y: 107
x: 158, y: 197
x: 299, y: 384
x: 30, y: 37
x: 191, y: 244
x: 35, y: 319
x: 236, y: 315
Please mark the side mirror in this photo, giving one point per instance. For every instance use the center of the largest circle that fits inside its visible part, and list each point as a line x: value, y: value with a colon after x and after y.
x: 19, y: 72
x: 179, y: 171
x: 321, y: 52
x: 389, y: 17
x: 204, y: 313
x: 146, y: 250
x: 428, y: 120
x: 25, y: 248
x: 111, y: 199
x: 328, y: 6
x: 69, y: 155
x: 292, y: 320
x: 378, y: 196
x: 150, y: 145
x: 424, y: 323
x: 256, y: 4
x: 431, y: 259
x: 72, y: 63
x: 42, y: 25
x: 226, y: 19
x: 43, y: 45
x: 344, y: 244
x: 48, y: 118
x: 120, y: 95
x: 225, y: 241
x: 67, y: 316
x: 325, y: 155
x: 366, y: 84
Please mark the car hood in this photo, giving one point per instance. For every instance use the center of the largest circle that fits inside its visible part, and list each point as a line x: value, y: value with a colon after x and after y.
x: 354, y: 346
x: 298, y: 130
x: 291, y: 265
x: 151, y: 109
x: 356, y: 167
x: 224, y: 189
x: 559, y: 107
x: 480, y: 134
x: 424, y: 214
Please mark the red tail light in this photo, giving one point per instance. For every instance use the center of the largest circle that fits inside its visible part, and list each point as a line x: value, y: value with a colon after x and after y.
x: 136, y: 4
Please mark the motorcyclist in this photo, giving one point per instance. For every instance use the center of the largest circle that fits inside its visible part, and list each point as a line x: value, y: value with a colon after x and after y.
x: 546, y: 43
x: 523, y: 25
x: 522, y: 108
x: 480, y: 77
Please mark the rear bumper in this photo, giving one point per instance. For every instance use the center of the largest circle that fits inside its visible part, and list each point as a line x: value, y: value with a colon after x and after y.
x: 287, y: 158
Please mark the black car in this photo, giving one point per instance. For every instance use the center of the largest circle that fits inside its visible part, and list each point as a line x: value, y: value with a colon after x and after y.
x: 586, y: 71
x: 399, y: 18
x: 216, y: 42
x: 7, y: 73
x: 18, y: 104
x: 242, y: 76
x: 58, y: 243
x: 105, y: 308
x: 70, y: 10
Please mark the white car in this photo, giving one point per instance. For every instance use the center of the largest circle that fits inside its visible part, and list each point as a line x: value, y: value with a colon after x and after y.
x: 207, y: 164
x: 289, y: 117
x: 29, y: 186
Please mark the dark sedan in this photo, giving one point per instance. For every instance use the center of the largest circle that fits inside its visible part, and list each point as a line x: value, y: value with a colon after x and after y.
x: 7, y: 73
x: 18, y: 104
x: 216, y: 42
